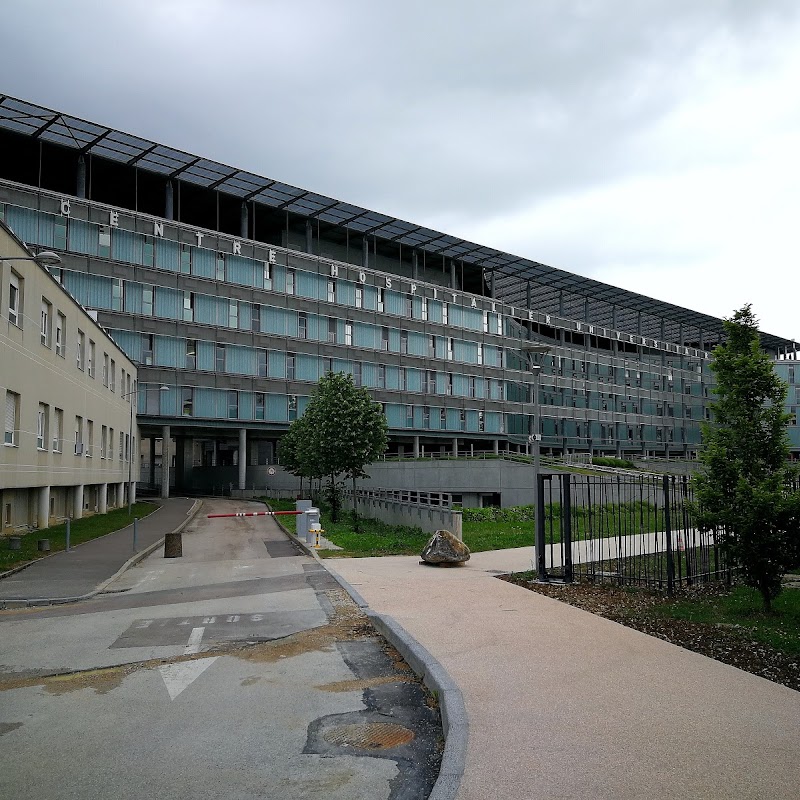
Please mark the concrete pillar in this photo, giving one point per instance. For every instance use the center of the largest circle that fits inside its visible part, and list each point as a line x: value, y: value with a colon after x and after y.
x: 496, y: 447
x: 416, y: 447
x: 102, y: 500
x: 80, y: 190
x: 244, y: 228
x: 472, y: 449
x: 214, y: 454
x: 43, y: 515
x: 166, y: 460
x: 120, y: 495
x: 309, y: 237
x: 152, y: 461
x: 455, y: 447
x: 453, y: 276
x: 132, y: 490
x: 365, y: 252
x: 77, y: 501
x: 169, y: 204
x: 415, y: 264
x: 242, y: 458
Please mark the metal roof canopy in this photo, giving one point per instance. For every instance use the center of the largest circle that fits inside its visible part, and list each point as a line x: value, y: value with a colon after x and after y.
x: 512, y: 272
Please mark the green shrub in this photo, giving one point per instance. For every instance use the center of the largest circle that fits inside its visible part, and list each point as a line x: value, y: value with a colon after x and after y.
x: 619, y: 463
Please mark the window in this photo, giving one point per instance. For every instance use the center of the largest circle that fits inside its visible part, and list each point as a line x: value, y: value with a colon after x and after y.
x: 127, y: 447
x: 404, y: 341
x: 357, y: 373
x: 359, y: 297
x: 116, y: 294
x: 432, y: 346
x: 331, y: 329
x: 409, y: 306
x: 79, y: 355
x: 233, y: 314
x: 444, y: 314
x: 112, y: 378
x: 403, y: 379
x: 78, y: 436
x: 430, y: 382
x: 89, y: 437
x: 121, y: 446
x: 260, y: 405
x: 499, y: 324
x: 147, y: 349
x: 292, y: 407
x: 15, y: 299
x: 255, y: 318
x: 462, y: 420
x: 233, y: 405
x: 42, y: 419
x: 90, y: 359
x: 186, y: 259
x: 103, y: 441
x: 302, y: 325
x: 12, y: 419
x: 290, y: 281
x: 481, y: 423
x: 348, y: 333
x: 480, y: 353
x: 426, y: 416
x: 381, y: 376
x: 148, y: 251
x: 443, y: 418
x: 267, y: 275
x: 262, y: 363
x: 220, y: 266
x: 47, y: 323
x: 187, y: 401
x: 331, y: 290
x: 105, y: 369
x: 290, y: 362
x: 191, y: 354
x: 425, y: 309
x: 449, y: 383
x: 472, y: 386
x: 381, y: 304
x: 58, y: 430
x: 449, y: 349
x: 486, y: 322
x: 188, y: 307
x: 147, y: 300
x: 104, y: 241
x: 220, y: 358
x: 61, y: 333
x: 384, y: 338
x: 110, y: 453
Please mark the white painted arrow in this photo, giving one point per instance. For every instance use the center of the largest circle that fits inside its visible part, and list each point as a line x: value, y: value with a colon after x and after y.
x: 178, y: 676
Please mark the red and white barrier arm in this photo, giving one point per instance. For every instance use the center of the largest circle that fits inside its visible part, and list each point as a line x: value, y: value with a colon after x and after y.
x: 252, y: 514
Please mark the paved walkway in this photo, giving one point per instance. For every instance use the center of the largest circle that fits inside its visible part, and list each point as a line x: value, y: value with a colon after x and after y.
x: 79, y: 572
x: 565, y: 704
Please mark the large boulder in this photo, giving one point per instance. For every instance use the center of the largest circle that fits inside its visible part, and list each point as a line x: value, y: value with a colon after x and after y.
x: 444, y: 548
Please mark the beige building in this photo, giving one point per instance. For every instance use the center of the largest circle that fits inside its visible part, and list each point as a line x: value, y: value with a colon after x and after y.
x: 67, y: 393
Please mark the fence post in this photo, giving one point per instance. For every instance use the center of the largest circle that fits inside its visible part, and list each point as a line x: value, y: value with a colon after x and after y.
x: 541, y: 567
x: 135, y: 532
x: 668, y: 536
x: 68, y: 533
x: 566, y: 527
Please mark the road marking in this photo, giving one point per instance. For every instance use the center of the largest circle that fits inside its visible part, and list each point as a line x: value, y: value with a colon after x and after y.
x: 178, y: 676
x: 193, y: 645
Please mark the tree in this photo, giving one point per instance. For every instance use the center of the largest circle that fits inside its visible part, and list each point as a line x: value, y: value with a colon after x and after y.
x: 342, y: 430
x: 743, y: 487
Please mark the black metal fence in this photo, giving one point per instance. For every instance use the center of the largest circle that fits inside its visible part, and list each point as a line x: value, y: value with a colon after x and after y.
x: 623, y: 530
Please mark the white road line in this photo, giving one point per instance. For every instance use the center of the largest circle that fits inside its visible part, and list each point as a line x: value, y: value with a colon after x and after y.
x: 193, y: 645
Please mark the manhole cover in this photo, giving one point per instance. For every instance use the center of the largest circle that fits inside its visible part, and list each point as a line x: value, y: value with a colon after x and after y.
x: 372, y: 736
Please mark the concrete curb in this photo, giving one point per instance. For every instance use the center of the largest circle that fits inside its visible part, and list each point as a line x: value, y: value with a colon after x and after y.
x: 132, y: 561
x: 433, y: 675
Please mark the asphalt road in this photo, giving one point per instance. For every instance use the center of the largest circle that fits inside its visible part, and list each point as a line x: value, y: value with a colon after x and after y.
x: 240, y: 670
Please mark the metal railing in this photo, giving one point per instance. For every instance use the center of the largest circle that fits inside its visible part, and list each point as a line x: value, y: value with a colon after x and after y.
x: 624, y: 531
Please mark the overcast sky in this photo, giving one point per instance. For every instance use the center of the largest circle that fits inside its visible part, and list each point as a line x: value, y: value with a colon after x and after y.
x: 651, y: 144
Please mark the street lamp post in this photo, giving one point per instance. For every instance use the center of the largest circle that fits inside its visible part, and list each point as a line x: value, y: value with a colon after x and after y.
x: 47, y: 258
x: 535, y: 439
x: 130, y: 442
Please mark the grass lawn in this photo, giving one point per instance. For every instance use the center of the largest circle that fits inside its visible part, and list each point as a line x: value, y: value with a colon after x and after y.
x: 742, y: 608
x: 483, y: 528
x: 81, y: 530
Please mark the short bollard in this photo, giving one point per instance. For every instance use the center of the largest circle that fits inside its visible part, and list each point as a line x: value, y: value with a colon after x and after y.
x: 68, y: 534
x: 135, y: 531
x: 173, y: 547
x: 43, y: 545
x: 316, y: 531
x: 14, y: 542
